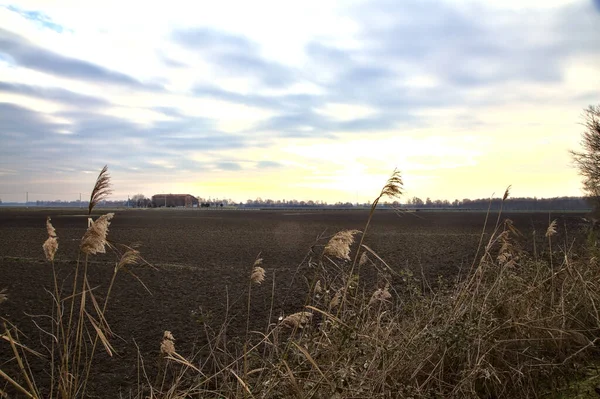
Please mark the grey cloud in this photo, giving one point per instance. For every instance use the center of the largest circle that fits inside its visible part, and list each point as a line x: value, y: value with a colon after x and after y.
x: 29, y: 55
x: 54, y: 94
x: 32, y: 141
x: 228, y: 165
x: 235, y: 55
x: 477, y: 46
x: 269, y: 164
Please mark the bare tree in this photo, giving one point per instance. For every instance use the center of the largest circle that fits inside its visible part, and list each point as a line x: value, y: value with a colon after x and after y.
x: 139, y: 200
x: 588, y: 160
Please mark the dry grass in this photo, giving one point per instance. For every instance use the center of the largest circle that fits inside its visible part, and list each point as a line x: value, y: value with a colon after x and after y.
x: 101, y: 189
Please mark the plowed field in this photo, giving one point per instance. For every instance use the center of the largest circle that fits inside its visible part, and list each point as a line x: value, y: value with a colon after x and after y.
x: 202, y: 260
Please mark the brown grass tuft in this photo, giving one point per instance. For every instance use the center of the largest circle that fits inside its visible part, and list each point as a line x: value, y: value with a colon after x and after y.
x: 297, y: 320
x: 94, y: 239
x: 339, y: 244
x: 101, y: 189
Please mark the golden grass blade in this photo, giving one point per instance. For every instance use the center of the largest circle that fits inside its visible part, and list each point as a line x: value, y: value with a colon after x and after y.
x: 25, y: 348
x: 242, y: 383
x: 16, y: 385
x: 13, y: 346
x: 292, y: 379
x: 103, y: 339
x: 327, y: 314
x: 379, y: 258
x: 101, y: 189
x: 311, y: 360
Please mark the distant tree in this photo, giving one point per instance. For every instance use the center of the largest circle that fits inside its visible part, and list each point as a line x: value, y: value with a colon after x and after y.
x: 588, y: 160
x: 428, y: 202
x: 417, y: 201
x: 139, y: 200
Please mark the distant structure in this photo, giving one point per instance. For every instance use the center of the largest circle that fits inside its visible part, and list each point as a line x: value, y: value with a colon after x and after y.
x: 174, y: 200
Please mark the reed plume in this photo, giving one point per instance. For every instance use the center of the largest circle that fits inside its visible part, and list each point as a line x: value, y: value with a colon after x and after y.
x: 50, y: 246
x: 167, y: 346
x: 50, y: 228
x: 130, y: 257
x: 339, y: 244
x: 380, y: 295
x: 258, y: 275
x: 297, y: 320
x: 364, y: 258
x: 94, y: 239
x: 101, y: 189
x: 551, y: 229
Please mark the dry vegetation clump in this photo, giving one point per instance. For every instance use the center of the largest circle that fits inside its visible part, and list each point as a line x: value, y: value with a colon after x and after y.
x: 512, y: 327
x: 77, y: 321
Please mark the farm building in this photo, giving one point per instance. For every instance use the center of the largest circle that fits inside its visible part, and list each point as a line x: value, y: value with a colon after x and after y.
x: 174, y: 200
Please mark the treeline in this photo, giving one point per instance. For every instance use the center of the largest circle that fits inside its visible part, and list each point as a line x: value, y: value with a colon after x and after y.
x: 511, y: 204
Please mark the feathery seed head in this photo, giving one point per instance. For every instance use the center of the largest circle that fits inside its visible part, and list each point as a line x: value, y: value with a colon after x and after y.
x: 94, y: 239
x: 318, y: 288
x: 297, y: 320
x: 50, y: 228
x: 130, y: 257
x: 393, y: 186
x: 101, y: 189
x: 506, y: 193
x: 258, y: 275
x: 50, y: 247
x: 380, y: 295
x: 167, y: 346
x: 335, y: 301
x: 551, y: 229
x: 339, y: 244
x: 3, y: 295
x: 363, y: 259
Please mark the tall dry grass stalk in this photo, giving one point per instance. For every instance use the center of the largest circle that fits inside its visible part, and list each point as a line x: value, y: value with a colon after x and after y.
x: 101, y: 189
x: 78, y: 319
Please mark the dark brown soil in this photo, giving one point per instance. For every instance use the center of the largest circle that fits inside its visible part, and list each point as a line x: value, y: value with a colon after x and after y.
x: 202, y: 261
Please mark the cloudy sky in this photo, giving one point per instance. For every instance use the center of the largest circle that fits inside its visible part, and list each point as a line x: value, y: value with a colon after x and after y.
x: 311, y: 99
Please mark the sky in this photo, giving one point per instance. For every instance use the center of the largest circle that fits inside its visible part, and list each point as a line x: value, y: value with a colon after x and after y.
x: 312, y: 99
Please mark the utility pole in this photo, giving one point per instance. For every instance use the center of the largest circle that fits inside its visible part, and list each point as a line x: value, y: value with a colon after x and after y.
x: 80, y: 200
x: 27, y: 199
